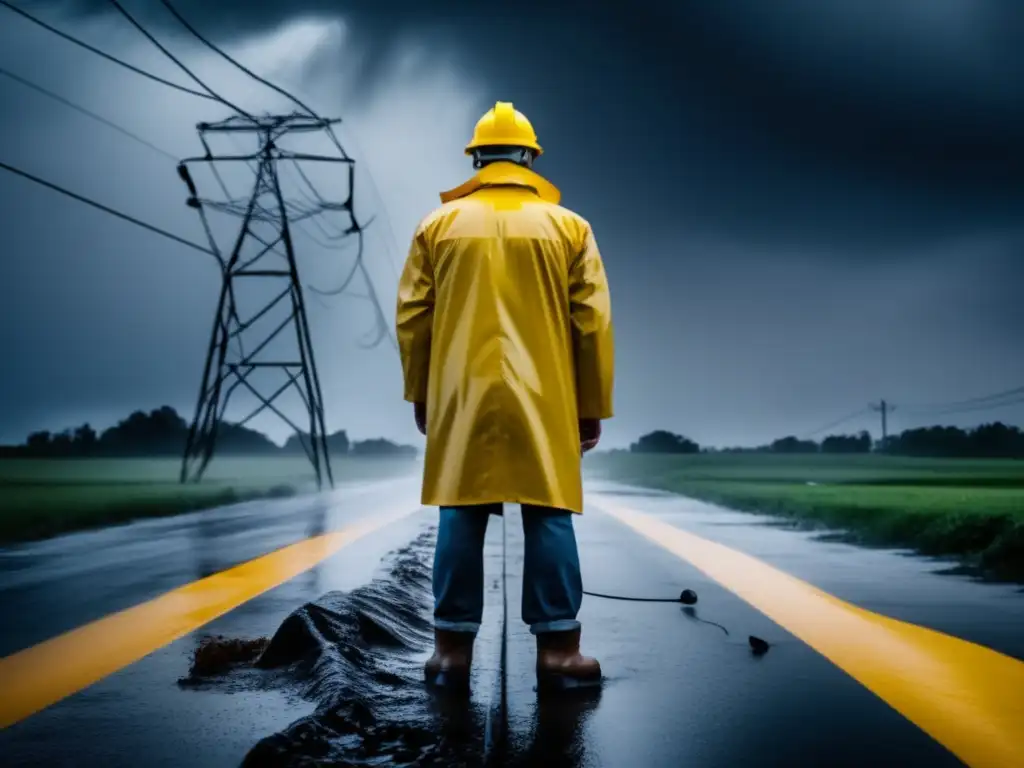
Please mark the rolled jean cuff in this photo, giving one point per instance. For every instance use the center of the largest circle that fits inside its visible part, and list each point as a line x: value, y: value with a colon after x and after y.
x: 562, y: 625
x: 457, y: 626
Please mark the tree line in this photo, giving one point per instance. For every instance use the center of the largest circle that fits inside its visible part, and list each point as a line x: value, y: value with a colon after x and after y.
x: 163, y: 432
x: 988, y: 441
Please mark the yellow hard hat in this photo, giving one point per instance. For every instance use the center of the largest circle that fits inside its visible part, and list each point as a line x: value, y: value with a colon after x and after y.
x: 503, y: 125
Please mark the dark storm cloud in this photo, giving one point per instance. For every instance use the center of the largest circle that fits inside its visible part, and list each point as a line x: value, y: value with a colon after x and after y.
x: 802, y: 205
x: 798, y: 121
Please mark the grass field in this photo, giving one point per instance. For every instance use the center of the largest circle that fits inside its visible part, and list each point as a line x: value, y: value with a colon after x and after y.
x: 973, y: 509
x: 970, y: 508
x: 45, y: 497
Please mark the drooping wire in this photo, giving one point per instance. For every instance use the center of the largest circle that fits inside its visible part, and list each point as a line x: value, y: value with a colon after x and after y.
x: 634, y: 599
x: 199, y: 36
x: 972, y: 403
x: 106, y: 209
x: 210, y: 95
x: 361, y: 266
x: 149, y: 36
x: 87, y: 112
x: 692, y: 598
x: 103, y: 54
x: 989, y: 406
x: 384, y: 212
x: 836, y: 423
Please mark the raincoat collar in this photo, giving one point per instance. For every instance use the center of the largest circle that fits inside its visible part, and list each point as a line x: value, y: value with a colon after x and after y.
x: 505, y: 174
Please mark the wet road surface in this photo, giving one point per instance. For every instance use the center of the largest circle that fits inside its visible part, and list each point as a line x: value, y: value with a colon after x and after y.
x: 679, y: 690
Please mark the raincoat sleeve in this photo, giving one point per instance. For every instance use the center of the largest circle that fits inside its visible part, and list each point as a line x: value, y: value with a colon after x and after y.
x: 593, y: 343
x: 414, y: 319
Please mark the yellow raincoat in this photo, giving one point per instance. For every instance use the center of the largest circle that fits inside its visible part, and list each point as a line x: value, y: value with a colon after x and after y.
x: 505, y: 330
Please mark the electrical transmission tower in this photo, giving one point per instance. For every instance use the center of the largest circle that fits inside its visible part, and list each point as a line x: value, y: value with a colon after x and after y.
x: 885, y: 409
x: 263, y: 250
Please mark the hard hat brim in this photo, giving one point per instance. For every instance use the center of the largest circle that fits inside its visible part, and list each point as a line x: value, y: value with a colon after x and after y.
x: 511, y: 142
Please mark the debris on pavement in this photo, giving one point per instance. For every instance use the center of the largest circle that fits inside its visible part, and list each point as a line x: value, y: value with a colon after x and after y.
x: 758, y: 646
x: 216, y: 655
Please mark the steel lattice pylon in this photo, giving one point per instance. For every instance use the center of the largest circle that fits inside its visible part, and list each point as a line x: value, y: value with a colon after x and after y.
x: 229, y: 364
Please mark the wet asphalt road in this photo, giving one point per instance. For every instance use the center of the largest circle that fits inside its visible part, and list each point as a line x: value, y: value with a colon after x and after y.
x: 679, y: 691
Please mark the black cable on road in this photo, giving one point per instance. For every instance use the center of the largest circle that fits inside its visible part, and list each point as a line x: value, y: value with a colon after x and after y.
x: 687, y: 597
x: 106, y: 209
x: 103, y: 54
x: 679, y: 599
x: 87, y: 112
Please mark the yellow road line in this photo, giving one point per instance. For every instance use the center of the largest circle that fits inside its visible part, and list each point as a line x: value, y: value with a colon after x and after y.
x: 967, y: 697
x: 37, y: 677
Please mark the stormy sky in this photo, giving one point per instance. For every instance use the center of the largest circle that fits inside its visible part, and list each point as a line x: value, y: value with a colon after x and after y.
x: 803, y: 206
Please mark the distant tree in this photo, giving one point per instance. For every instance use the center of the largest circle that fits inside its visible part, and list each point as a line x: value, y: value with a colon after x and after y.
x: 163, y: 432
x: 381, y: 447
x: 995, y: 440
x: 859, y: 443
x: 793, y: 444
x: 61, y: 444
x: 240, y: 440
x: 38, y: 443
x: 296, y: 443
x: 661, y: 441
x: 337, y: 443
x: 84, y: 440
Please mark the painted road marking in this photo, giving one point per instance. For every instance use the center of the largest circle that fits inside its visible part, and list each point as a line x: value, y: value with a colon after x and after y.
x: 967, y: 697
x: 37, y: 677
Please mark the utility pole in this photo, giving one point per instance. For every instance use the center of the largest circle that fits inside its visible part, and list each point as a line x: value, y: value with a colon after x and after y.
x: 230, y: 363
x: 885, y: 409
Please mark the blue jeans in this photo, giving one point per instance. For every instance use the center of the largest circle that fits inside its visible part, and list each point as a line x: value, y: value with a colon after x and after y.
x: 552, y: 585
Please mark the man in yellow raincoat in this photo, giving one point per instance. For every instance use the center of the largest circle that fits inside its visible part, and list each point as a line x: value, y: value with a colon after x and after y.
x: 504, y: 325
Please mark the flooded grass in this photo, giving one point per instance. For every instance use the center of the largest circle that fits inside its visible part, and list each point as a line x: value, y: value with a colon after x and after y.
x: 970, y: 509
x: 47, y: 497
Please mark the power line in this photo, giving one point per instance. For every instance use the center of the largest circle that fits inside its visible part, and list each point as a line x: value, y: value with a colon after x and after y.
x: 384, y: 212
x: 103, y: 54
x: 974, y: 408
x: 945, y: 407
x: 836, y: 423
x: 360, y: 265
x: 195, y: 33
x: 105, y: 209
x: 123, y: 11
x: 86, y: 112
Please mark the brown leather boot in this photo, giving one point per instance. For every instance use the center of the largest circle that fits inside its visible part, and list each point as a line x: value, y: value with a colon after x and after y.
x: 560, y: 664
x: 453, y: 655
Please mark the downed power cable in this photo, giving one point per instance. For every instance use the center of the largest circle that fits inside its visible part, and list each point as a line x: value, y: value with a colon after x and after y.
x: 688, y: 598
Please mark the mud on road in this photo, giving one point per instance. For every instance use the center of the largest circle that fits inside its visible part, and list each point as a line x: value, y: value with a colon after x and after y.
x: 359, y: 656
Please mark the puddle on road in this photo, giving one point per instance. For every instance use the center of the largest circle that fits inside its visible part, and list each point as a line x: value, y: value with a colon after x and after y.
x: 643, y: 493
x: 359, y: 655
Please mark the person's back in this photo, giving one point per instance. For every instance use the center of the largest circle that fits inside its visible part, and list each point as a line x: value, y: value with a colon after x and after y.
x: 507, y: 265
x: 504, y: 325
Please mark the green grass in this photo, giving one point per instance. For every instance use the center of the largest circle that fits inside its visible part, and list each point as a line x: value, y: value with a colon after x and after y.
x: 45, y: 497
x: 973, y: 509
